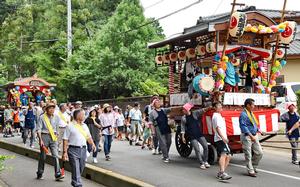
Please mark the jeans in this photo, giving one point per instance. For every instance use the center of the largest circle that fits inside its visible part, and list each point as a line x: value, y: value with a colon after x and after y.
x: 165, y: 141
x: 48, y: 142
x: 107, y: 143
x: 95, y: 153
x: 248, y: 147
x: 26, y: 133
x: 195, y: 144
x: 294, y: 144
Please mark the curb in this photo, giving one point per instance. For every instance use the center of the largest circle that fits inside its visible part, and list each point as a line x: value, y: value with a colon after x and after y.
x: 96, y: 174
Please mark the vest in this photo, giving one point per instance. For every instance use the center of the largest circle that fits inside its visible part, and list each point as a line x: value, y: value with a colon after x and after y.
x: 162, y: 122
x: 29, y: 119
x: 192, y: 127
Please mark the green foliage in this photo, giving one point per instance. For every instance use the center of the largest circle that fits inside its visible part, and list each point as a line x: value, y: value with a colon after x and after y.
x: 2, y: 159
x: 117, y: 60
x: 151, y: 87
x: 107, y: 62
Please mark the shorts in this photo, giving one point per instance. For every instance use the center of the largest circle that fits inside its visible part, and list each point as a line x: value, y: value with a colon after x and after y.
x: 17, y: 125
x: 147, y: 133
x: 222, y: 148
x: 135, y: 128
x: 121, y: 128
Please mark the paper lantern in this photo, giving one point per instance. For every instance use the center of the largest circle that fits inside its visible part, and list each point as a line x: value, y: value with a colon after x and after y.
x: 159, y: 60
x: 173, y: 57
x: 237, y: 24
x: 190, y: 53
x: 289, y: 33
x: 211, y: 47
x: 166, y: 59
x: 279, y: 53
x: 200, y: 50
x: 181, y: 55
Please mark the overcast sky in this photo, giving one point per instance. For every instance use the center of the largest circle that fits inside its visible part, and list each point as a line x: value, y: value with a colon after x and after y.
x: 187, y: 18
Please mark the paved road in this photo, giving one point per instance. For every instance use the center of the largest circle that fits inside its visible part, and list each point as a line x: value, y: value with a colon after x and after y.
x: 276, y: 169
x: 21, y: 172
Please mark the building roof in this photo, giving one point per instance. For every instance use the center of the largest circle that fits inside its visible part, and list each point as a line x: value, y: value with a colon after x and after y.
x: 203, y: 23
x: 294, y: 47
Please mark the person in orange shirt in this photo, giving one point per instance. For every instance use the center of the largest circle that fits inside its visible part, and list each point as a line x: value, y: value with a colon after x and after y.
x: 16, y: 116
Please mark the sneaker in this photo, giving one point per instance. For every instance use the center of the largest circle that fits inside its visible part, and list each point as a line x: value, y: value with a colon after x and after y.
x: 296, y: 162
x: 143, y: 147
x: 95, y: 161
x: 154, y: 151
x: 39, y: 177
x: 252, y: 173
x: 224, y: 176
x: 255, y: 170
x: 160, y: 152
x: 130, y: 142
x: 202, y: 166
x: 59, y: 177
x: 137, y: 144
x: 127, y: 138
x: 107, y: 158
x: 207, y: 165
x: 166, y: 160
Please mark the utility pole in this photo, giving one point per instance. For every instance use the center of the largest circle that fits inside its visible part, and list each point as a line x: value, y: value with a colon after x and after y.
x: 69, y: 30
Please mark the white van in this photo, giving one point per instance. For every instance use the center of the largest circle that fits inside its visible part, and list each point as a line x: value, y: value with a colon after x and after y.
x: 286, y: 95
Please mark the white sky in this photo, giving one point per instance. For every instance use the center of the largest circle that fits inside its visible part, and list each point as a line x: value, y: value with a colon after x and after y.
x: 187, y: 18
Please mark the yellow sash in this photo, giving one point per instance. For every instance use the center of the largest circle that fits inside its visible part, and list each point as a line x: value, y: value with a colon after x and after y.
x: 50, y: 128
x: 81, y: 130
x: 251, y: 116
x: 62, y: 117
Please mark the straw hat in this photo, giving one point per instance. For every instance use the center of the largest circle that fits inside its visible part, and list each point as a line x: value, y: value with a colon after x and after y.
x: 49, y: 105
x: 106, y: 105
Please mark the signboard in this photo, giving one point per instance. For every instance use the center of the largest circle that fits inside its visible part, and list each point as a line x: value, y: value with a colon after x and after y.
x: 239, y: 99
x: 183, y: 98
x: 36, y: 83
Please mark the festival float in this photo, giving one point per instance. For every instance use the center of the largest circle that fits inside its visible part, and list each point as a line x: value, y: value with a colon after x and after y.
x: 227, y: 61
x: 30, y: 89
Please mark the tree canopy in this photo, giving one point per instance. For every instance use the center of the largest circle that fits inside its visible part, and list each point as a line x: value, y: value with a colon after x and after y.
x: 110, y: 56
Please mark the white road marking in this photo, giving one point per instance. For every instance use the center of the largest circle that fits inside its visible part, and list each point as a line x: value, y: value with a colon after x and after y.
x: 270, y: 172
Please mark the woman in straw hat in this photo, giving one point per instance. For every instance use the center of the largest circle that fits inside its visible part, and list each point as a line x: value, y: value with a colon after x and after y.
x: 108, y: 121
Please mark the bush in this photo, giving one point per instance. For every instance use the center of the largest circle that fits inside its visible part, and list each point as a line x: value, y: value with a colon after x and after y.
x: 298, y: 101
x: 2, y: 159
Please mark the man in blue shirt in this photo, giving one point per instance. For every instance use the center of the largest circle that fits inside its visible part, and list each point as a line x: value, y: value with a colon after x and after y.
x: 249, y: 138
x: 291, y: 118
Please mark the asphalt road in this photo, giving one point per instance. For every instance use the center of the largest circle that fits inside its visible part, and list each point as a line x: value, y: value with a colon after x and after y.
x: 21, y: 171
x: 275, y: 168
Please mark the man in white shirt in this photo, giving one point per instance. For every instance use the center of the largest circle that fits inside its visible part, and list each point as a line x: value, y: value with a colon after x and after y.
x: 75, y: 138
x: 135, y: 118
x: 221, y: 141
x: 65, y: 120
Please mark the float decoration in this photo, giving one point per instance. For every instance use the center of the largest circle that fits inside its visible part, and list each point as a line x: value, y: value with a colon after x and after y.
x: 237, y: 24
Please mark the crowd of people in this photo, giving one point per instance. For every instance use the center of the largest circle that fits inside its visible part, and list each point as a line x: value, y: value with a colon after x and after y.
x: 78, y: 132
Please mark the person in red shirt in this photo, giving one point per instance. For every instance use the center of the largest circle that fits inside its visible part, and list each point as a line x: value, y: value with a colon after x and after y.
x: 16, y: 116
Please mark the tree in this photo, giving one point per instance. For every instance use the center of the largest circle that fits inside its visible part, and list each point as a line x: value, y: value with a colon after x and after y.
x: 116, y: 61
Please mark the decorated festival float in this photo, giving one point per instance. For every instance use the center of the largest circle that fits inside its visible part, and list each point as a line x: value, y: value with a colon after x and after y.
x: 30, y: 89
x: 227, y: 60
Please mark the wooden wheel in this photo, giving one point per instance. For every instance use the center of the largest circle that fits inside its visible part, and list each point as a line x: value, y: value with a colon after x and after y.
x: 184, y: 150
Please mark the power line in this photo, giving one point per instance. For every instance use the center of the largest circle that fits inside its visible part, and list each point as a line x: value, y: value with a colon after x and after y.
x: 163, y: 17
x: 154, y: 4
x: 221, y: 1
